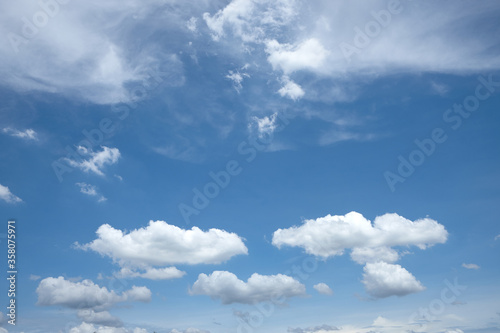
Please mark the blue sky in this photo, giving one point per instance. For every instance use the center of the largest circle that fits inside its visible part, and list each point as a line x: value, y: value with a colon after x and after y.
x: 251, y: 166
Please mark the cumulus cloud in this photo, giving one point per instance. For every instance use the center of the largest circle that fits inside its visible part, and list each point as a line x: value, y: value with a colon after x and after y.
x: 91, y: 190
x: 331, y: 235
x: 90, y: 328
x: 95, y: 161
x: 28, y: 134
x: 370, y: 244
x: 161, y: 244
x: 323, y: 288
x: 470, y: 266
x: 7, y: 196
x: 229, y: 289
x: 383, y: 280
x: 85, y: 294
x: 291, y: 89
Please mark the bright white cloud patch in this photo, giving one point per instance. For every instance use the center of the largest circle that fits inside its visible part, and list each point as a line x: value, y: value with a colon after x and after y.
x: 95, y: 161
x: 308, y: 55
x: 332, y: 235
x: 161, y: 244
x: 264, y: 126
x: 7, y: 196
x: 383, y: 280
x: 27, y: 134
x: 470, y: 266
x: 323, y: 288
x: 91, y: 190
x: 370, y: 244
x: 85, y: 294
x: 229, y: 289
x: 291, y: 89
x: 249, y: 19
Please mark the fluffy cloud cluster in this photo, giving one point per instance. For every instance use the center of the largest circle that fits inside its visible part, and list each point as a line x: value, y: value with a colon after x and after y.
x: 161, y: 244
x: 91, y: 302
x: 95, y: 161
x: 370, y: 244
x: 7, y: 196
x: 85, y: 294
x: 259, y: 288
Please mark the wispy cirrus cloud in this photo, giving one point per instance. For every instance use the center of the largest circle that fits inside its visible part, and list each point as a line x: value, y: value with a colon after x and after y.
x: 27, y: 134
x: 91, y: 190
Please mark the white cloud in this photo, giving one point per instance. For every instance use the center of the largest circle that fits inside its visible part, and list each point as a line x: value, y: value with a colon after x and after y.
x: 85, y: 294
x: 470, y: 266
x: 27, y: 134
x: 161, y: 244
x: 90, y: 328
x: 189, y: 330
x: 323, y: 288
x: 82, y: 50
x: 264, y: 126
x: 316, y: 329
x: 249, y: 19
x: 362, y: 255
x: 7, y: 196
x: 383, y: 280
x: 91, y: 190
x: 291, y: 89
x: 229, y: 289
x: 331, y: 235
x: 35, y: 277
x: 308, y: 55
x: 191, y: 24
x: 100, y: 318
x: 497, y: 237
x: 370, y: 244
x: 237, y: 79
x: 165, y: 273
x: 96, y: 160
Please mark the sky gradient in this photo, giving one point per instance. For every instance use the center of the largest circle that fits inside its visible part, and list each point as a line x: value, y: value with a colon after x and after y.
x: 251, y: 166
